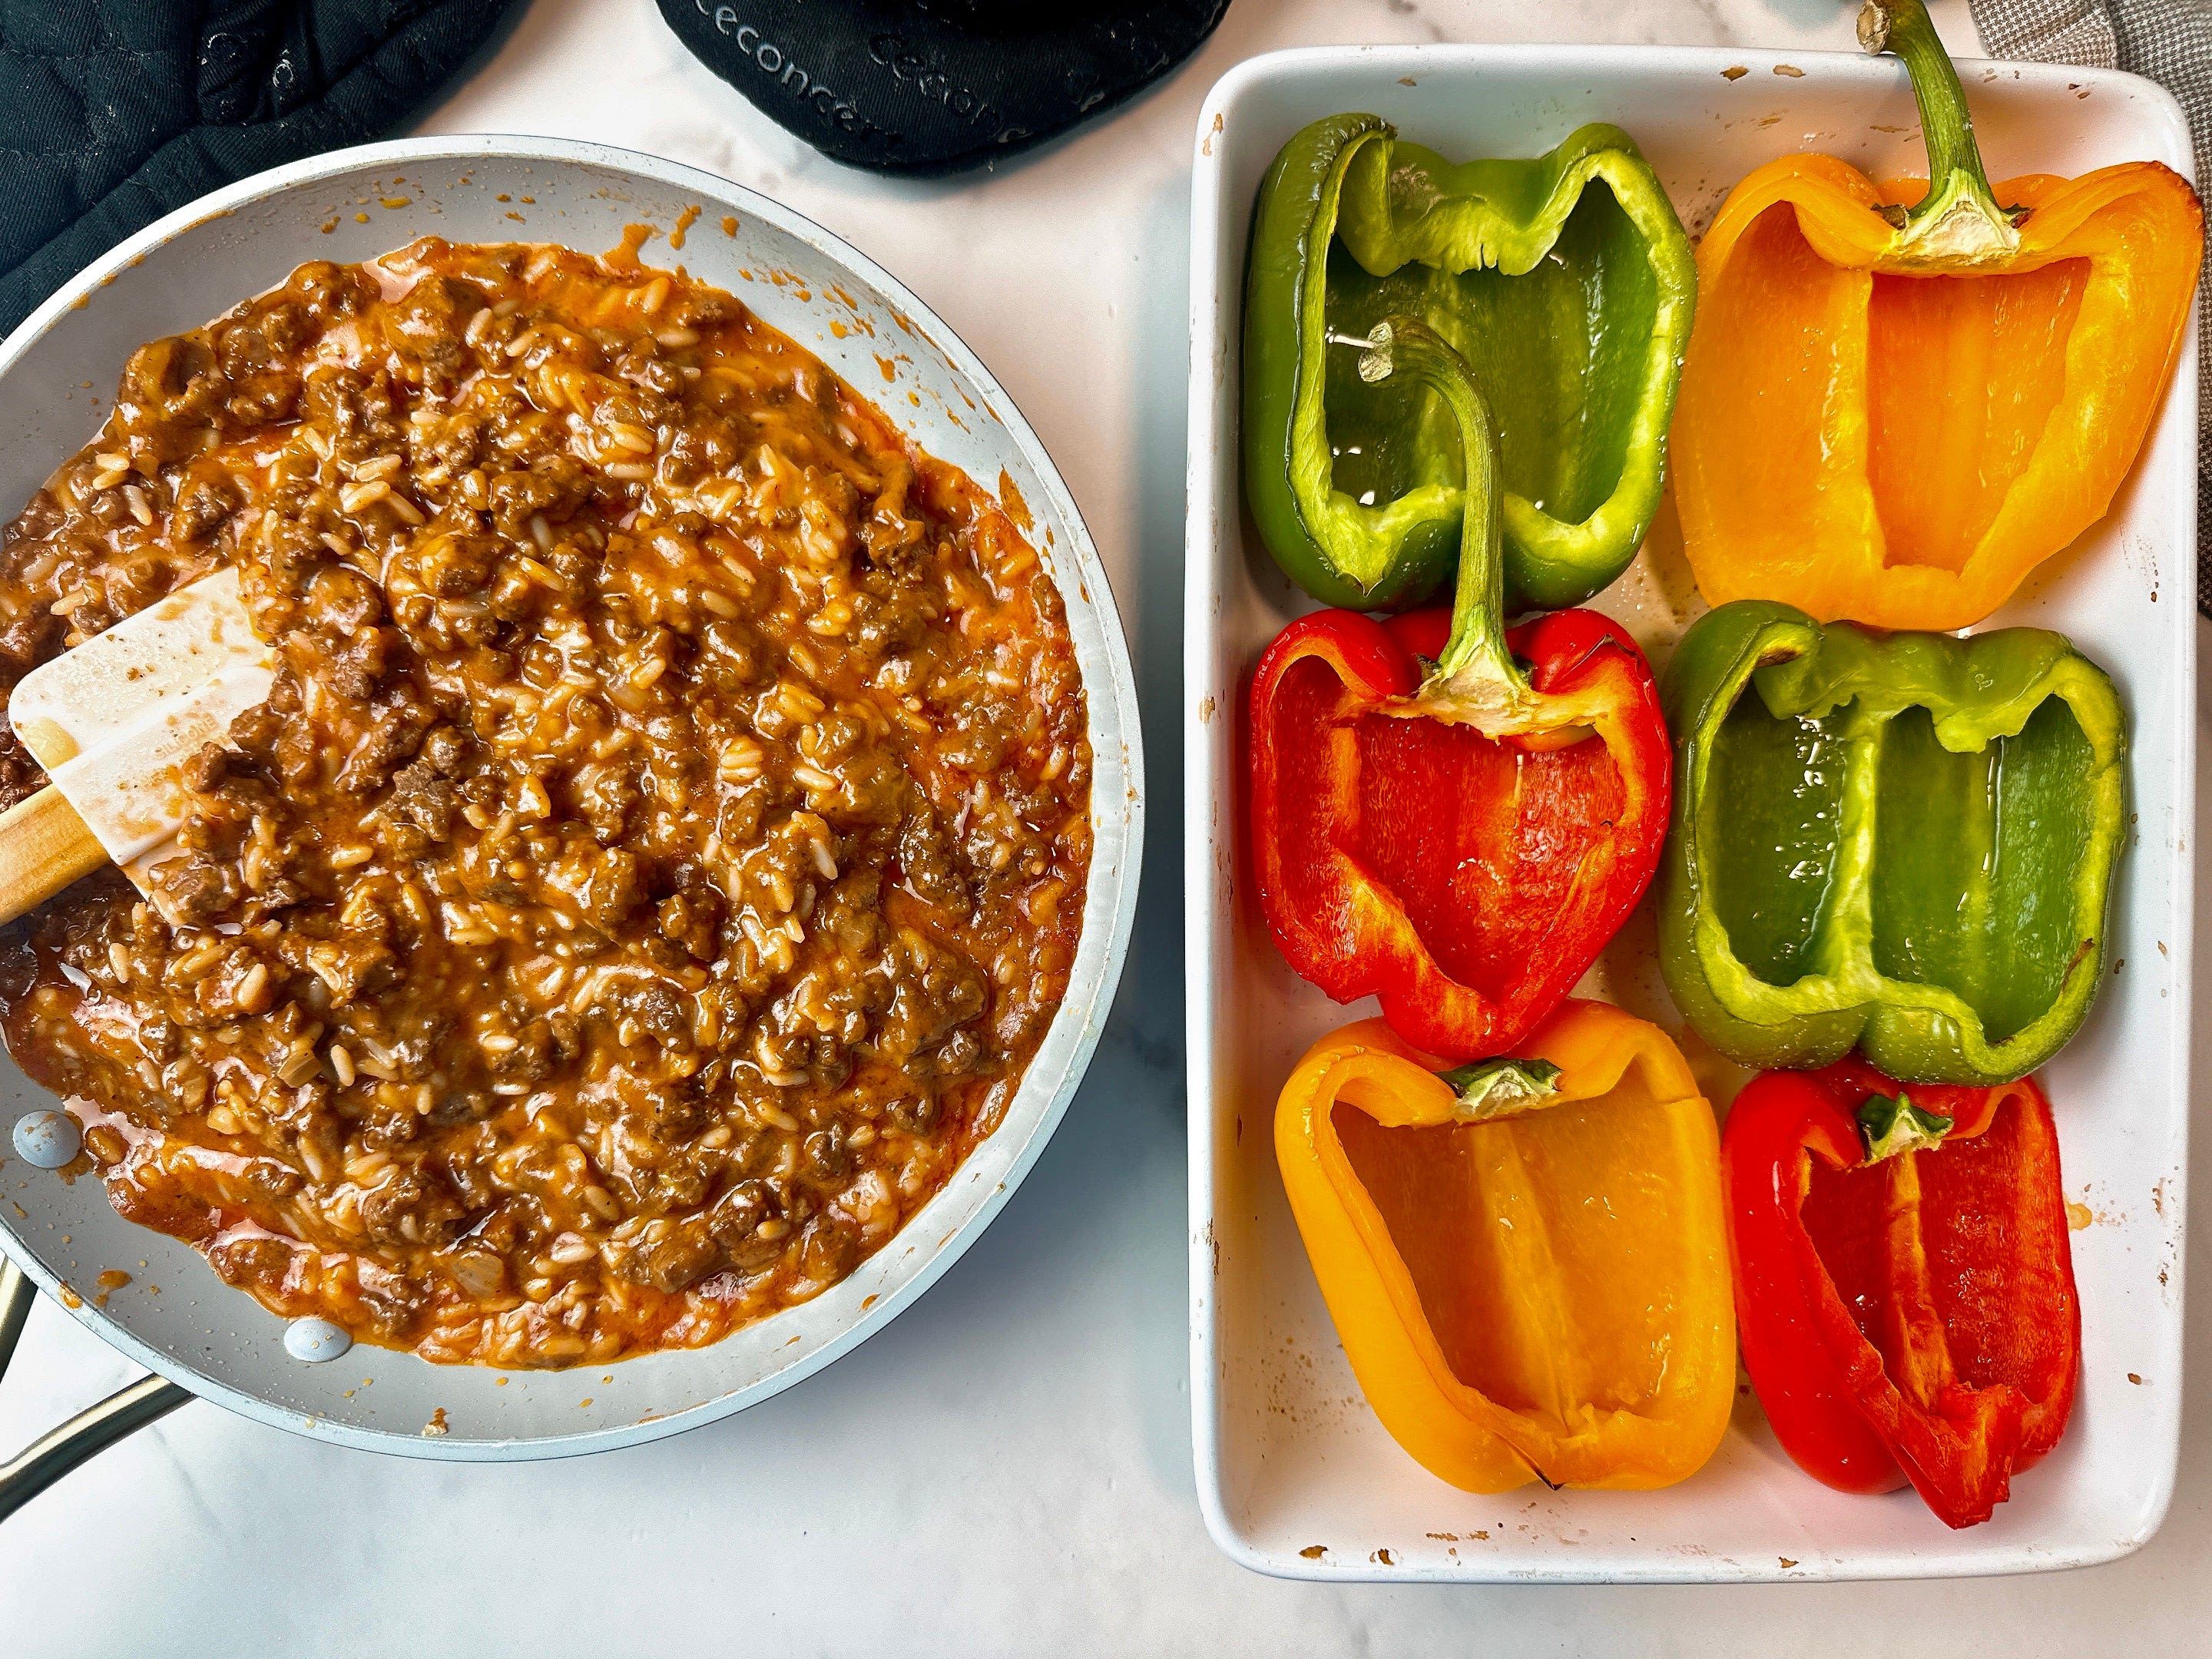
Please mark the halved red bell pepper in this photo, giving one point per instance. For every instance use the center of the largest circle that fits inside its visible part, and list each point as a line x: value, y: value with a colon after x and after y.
x: 1904, y: 1285
x: 1459, y: 843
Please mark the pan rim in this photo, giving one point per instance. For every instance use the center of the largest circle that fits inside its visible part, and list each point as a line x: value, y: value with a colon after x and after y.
x: 1112, y: 888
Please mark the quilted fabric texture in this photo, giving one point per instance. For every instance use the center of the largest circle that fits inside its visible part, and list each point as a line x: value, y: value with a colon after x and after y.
x: 114, y: 111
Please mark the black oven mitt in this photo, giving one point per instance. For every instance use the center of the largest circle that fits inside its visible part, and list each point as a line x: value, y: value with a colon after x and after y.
x: 938, y: 86
x: 114, y: 111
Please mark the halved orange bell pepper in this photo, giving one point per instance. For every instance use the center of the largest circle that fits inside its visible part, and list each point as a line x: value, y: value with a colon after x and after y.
x: 1892, y: 416
x: 1525, y: 1258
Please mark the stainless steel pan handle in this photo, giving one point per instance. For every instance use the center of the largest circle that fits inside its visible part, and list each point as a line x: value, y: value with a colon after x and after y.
x: 91, y: 1431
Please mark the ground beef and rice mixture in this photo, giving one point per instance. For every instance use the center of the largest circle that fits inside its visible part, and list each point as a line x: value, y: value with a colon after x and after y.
x: 662, y: 853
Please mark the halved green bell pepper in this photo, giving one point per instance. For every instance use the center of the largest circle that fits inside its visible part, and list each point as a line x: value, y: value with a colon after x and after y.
x: 1566, y: 282
x: 1899, y: 841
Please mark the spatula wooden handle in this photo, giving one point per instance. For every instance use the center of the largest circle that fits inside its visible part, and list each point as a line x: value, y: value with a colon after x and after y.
x: 44, y: 847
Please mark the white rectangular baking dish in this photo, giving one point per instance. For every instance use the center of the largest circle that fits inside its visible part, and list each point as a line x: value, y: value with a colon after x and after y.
x: 1295, y: 1474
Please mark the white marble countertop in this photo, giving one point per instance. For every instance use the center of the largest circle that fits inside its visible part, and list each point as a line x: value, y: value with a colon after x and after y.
x: 1007, y: 1468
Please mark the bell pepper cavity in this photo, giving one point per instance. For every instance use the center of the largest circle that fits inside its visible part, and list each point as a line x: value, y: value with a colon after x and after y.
x: 1900, y: 399
x: 1565, y: 283
x: 1906, y: 1291
x: 1538, y: 1295
x: 1902, y: 844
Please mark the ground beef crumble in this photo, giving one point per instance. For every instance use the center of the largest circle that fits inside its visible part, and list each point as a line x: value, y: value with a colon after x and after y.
x: 661, y: 853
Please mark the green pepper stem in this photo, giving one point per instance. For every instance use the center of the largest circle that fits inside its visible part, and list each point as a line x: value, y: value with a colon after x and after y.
x: 1959, y: 219
x: 1491, y: 1089
x: 1888, y: 1126
x: 1476, y: 665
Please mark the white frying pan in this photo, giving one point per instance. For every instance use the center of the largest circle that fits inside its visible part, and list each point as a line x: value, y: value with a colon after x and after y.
x: 57, y: 375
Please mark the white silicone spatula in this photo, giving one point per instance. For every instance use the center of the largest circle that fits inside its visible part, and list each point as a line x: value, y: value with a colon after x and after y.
x: 112, y: 722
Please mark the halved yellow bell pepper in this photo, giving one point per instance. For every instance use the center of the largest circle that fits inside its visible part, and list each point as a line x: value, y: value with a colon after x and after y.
x: 1526, y: 1262
x: 1900, y: 398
